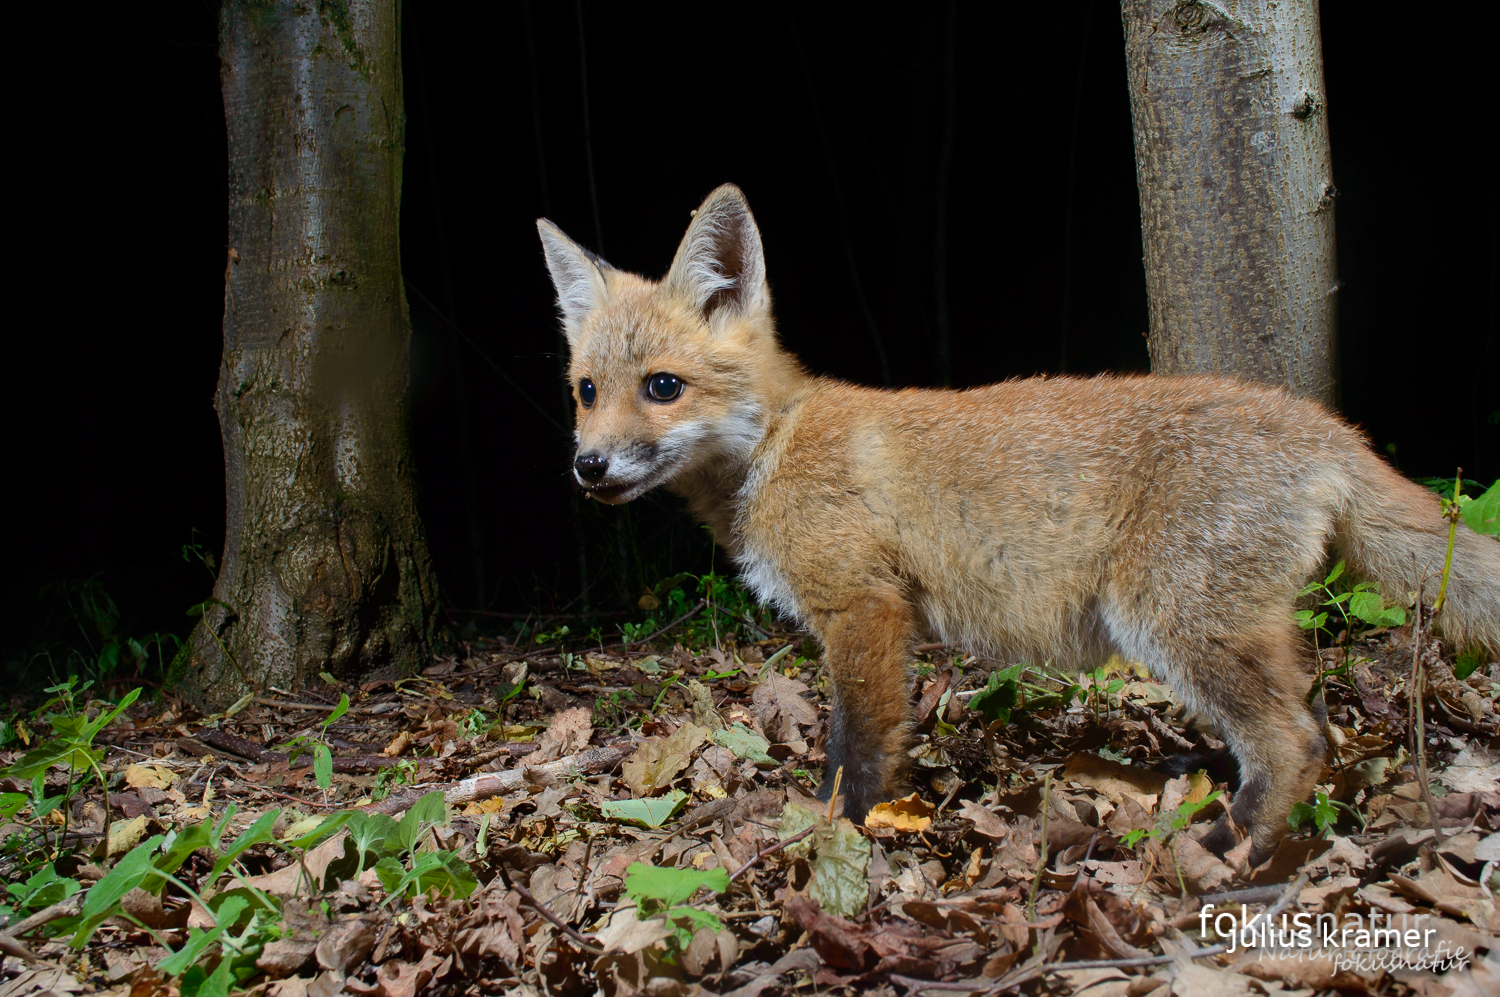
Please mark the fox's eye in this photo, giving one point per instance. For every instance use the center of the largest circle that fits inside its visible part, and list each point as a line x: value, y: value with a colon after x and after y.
x: 586, y: 392
x: 664, y: 387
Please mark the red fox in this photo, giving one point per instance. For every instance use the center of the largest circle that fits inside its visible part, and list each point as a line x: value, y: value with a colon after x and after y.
x: 1171, y: 520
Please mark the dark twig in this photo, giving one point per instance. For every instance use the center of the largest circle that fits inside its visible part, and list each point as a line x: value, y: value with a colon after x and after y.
x: 771, y: 851
x: 1419, y: 732
x: 543, y: 910
x: 685, y: 616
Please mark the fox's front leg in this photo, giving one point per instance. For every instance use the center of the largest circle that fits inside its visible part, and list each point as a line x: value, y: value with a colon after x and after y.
x: 868, y: 646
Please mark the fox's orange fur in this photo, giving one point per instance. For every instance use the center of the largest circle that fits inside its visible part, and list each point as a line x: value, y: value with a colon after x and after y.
x: 1170, y: 520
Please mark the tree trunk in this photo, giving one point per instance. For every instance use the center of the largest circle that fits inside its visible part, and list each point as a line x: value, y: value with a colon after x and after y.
x: 1231, y: 152
x: 325, y: 562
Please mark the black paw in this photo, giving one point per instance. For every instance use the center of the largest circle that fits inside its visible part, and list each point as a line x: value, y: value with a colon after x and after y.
x: 1220, y: 766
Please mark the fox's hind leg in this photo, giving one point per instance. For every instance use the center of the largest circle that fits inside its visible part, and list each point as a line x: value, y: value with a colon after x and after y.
x: 868, y: 643
x: 1252, y: 685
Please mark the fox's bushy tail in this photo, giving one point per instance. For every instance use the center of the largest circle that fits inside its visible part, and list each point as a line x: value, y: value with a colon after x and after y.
x: 1393, y: 532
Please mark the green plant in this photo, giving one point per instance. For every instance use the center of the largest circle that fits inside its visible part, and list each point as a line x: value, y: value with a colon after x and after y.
x: 729, y: 610
x: 43, y: 889
x: 999, y: 696
x: 245, y: 918
x: 1359, y: 608
x: 389, y: 847
x: 665, y: 891
x: 72, y: 745
x: 403, y: 773
x: 318, y: 745
x: 612, y: 710
x: 1482, y: 514
x: 1321, y: 813
x: 1181, y: 818
x: 1101, y: 692
x: 550, y: 636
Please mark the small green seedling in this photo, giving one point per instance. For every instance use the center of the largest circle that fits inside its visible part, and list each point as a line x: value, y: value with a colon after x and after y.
x: 1359, y: 608
x: 318, y: 745
x: 1321, y: 813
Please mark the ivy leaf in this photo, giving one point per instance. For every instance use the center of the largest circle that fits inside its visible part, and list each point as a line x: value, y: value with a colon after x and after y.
x: 670, y: 887
x: 744, y: 743
x: 652, y: 812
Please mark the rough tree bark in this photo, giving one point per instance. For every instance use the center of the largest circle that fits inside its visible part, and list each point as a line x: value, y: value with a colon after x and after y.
x: 325, y: 561
x: 1232, y: 159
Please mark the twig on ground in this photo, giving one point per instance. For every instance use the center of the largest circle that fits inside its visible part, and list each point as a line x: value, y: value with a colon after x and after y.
x: 286, y: 704
x: 771, y: 851
x: 543, y: 910
x: 1031, y: 972
x: 305, y: 803
x: 684, y: 617
x: 1417, y: 695
x: 63, y: 908
x: 481, y: 787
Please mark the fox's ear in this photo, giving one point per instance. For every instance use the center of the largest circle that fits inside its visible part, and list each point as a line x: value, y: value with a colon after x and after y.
x: 577, y: 274
x: 720, y: 263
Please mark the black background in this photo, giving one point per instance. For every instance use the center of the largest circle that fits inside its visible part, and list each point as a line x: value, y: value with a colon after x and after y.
x: 832, y: 119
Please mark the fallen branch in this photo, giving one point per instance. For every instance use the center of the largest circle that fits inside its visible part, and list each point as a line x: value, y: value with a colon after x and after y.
x: 243, y: 747
x: 63, y: 908
x: 481, y: 787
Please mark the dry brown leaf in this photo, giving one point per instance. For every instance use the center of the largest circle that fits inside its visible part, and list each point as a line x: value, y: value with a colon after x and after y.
x: 910, y: 813
x: 985, y: 820
x: 1203, y: 871
x: 399, y: 978
x: 287, y: 956
x: 493, y: 805
x: 146, y: 908
x: 344, y: 946
x: 626, y: 932
x: 1117, y: 782
x: 149, y: 776
x: 1476, y: 769
x: 288, y: 881
x: 657, y: 761
x: 125, y: 835
x: 398, y: 744
x: 780, y: 707
x: 569, y: 732
x: 1194, y: 980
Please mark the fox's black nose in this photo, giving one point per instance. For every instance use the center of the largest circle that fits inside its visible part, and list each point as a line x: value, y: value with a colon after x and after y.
x: 591, y: 466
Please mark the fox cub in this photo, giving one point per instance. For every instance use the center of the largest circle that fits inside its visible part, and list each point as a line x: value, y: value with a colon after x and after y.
x: 1171, y: 520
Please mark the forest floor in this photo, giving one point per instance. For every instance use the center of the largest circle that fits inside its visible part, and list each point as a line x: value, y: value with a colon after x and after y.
x: 624, y: 823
